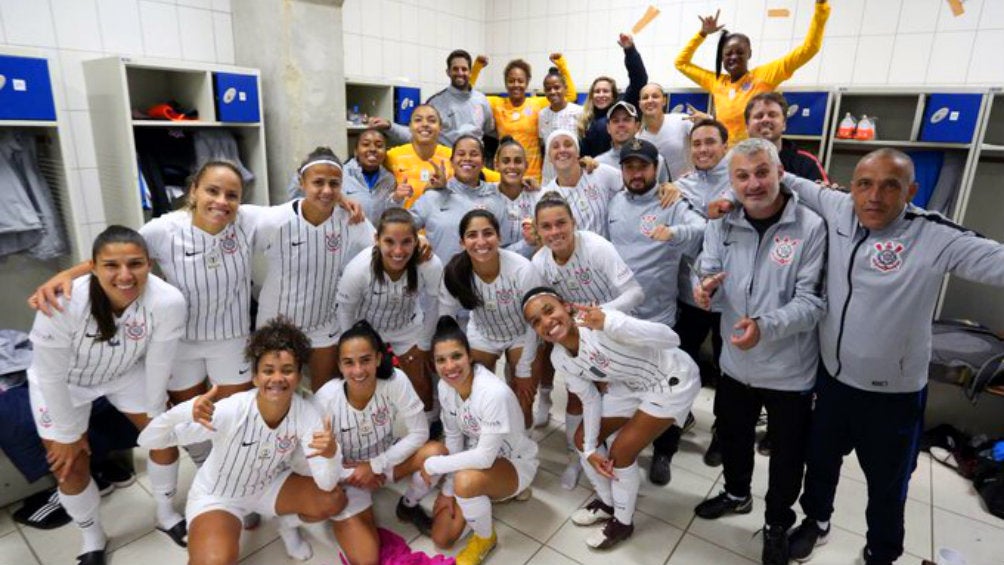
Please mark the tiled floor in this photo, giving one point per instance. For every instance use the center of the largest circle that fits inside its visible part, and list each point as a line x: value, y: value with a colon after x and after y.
x: 943, y: 511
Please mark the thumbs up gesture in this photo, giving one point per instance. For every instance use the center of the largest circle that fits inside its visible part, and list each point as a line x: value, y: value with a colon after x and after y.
x: 203, y: 408
x: 323, y: 442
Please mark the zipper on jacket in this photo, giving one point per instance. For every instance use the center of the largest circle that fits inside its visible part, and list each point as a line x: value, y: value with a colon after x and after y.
x: 847, y: 300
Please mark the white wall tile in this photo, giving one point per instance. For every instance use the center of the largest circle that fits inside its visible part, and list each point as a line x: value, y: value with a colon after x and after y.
x: 503, y: 37
x: 83, y: 139
x: 3, y: 34
x: 749, y: 19
x: 871, y: 65
x: 224, y: 6
x: 537, y: 9
x: 204, y: 4
x: 197, y: 43
x: 845, y: 19
x: 598, y: 34
x: 880, y: 17
x: 992, y: 16
x: 985, y: 66
x: 161, y: 36
x: 431, y: 66
x: 950, y: 57
x: 970, y: 18
x: 410, y: 66
x: 352, y: 44
x: 223, y: 35
x: 427, y: 27
x: 836, y: 60
x: 71, y: 64
x: 445, y: 38
x: 76, y: 23
x: 501, y: 10
x: 538, y: 39
x: 391, y: 66
x: 120, y: 28
x: 576, y: 31
x: 28, y: 23
x: 919, y: 16
x: 779, y: 28
x: 910, y: 56
x: 410, y: 32
x: 520, y: 9
x: 371, y: 14
x: 372, y: 57
x: 352, y: 16
x: 772, y: 50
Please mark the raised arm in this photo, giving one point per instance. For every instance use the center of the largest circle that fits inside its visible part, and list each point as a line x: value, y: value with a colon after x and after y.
x: 637, y: 75
x: 703, y: 77
x: 559, y: 61
x: 780, y: 70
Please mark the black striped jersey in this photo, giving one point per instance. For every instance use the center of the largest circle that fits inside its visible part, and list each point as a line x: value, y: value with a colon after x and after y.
x: 500, y: 317
x: 247, y: 455
x: 67, y: 351
x: 594, y: 274
x: 368, y: 434
x: 590, y: 196
x: 387, y: 304
x: 213, y: 272
x: 305, y: 263
x: 488, y: 424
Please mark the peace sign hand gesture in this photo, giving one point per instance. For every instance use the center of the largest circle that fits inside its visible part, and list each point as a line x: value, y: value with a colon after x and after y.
x: 709, y: 24
x: 438, y: 179
x: 591, y: 317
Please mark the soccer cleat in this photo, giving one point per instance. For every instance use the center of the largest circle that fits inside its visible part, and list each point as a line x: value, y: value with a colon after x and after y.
x: 613, y: 533
x: 595, y: 511
x: 415, y: 516
x: 477, y: 549
x: 804, y: 539
x: 723, y: 504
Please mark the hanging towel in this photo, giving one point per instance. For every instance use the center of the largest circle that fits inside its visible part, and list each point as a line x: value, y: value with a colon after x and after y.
x: 19, y: 149
x: 213, y: 144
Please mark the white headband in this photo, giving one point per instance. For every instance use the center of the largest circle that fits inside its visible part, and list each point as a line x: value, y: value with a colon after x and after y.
x: 559, y: 132
x: 334, y: 164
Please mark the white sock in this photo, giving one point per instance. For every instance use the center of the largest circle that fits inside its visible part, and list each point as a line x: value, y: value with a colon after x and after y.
x: 478, y: 513
x: 823, y: 525
x: 199, y: 452
x: 296, y: 546
x: 572, y: 422
x: 83, y: 508
x: 417, y: 490
x: 545, y: 395
x: 625, y: 492
x: 164, y: 482
x: 570, y: 476
x: 600, y: 483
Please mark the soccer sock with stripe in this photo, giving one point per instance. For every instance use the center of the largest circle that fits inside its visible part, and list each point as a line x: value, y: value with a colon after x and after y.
x: 83, y: 508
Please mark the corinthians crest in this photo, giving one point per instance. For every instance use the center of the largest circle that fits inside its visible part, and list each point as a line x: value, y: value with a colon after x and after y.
x: 783, y: 252
x: 888, y: 256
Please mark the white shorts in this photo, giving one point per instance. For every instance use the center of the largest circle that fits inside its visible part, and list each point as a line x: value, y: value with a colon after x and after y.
x: 357, y: 500
x: 526, y: 469
x: 126, y: 393
x: 482, y: 342
x: 619, y: 402
x: 221, y: 360
x: 324, y: 335
x: 200, y: 502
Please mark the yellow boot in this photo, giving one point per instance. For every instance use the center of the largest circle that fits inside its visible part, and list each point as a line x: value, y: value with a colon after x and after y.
x: 477, y: 549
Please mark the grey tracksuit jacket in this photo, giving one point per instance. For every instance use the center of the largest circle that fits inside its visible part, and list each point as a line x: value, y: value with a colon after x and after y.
x: 882, y: 288
x: 440, y: 212
x: 462, y: 112
x: 776, y: 281
x: 373, y: 200
x: 699, y: 188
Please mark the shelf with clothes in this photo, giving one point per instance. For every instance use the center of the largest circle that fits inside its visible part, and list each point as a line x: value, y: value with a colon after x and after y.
x: 155, y: 121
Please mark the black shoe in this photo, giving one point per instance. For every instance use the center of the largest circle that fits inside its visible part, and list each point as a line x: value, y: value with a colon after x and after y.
x: 92, y: 558
x: 104, y: 487
x: 659, y: 473
x: 689, y: 423
x: 868, y: 559
x: 435, y: 430
x: 713, y: 456
x: 763, y: 446
x: 775, y: 546
x: 110, y: 472
x: 723, y: 504
x: 178, y: 533
x: 805, y: 538
x: 613, y: 533
x: 43, y: 511
x: 415, y: 516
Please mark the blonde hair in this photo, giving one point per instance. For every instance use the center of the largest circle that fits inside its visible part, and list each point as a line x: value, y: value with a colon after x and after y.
x: 588, y: 110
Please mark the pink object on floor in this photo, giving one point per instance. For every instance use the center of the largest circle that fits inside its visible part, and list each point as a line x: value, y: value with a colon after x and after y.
x: 395, y: 551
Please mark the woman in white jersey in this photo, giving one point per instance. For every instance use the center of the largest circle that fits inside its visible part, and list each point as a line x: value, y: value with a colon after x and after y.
x: 588, y: 193
x: 390, y: 287
x: 561, y: 114
x: 364, y: 404
x: 587, y: 270
x: 488, y: 281
x: 670, y: 133
x: 115, y: 337
x: 441, y: 206
x: 307, y: 244
x: 490, y: 457
x: 520, y: 194
x: 257, y: 436
x: 649, y: 384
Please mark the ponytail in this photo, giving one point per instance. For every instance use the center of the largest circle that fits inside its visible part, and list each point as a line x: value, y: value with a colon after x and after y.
x: 447, y: 329
x: 458, y: 276
x: 101, y: 306
x: 364, y: 330
x: 722, y: 40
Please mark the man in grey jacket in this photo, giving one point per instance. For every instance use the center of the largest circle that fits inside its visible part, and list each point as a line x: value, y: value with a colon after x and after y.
x: 763, y: 263
x: 463, y: 110
x: 885, y: 262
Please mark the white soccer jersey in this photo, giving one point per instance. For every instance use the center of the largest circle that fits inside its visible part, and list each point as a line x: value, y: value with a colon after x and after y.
x: 518, y: 211
x: 548, y: 122
x: 247, y: 454
x: 634, y: 357
x: 305, y: 262
x: 590, y: 196
x: 368, y: 434
x: 68, y: 354
x: 480, y: 429
x: 594, y: 274
x: 387, y: 304
x: 213, y: 272
x: 673, y: 142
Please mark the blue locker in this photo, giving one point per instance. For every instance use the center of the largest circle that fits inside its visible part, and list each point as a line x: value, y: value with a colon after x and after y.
x: 806, y: 112
x: 678, y: 101
x: 950, y: 118
x: 25, y: 89
x: 236, y: 98
x: 405, y: 100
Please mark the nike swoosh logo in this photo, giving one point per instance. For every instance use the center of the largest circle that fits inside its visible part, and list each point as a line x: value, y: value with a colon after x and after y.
x: 192, y: 253
x: 242, y: 371
x: 248, y: 443
x: 346, y: 429
x: 91, y: 335
x: 297, y: 243
x: 333, y: 334
x: 444, y: 209
x: 452, y: 413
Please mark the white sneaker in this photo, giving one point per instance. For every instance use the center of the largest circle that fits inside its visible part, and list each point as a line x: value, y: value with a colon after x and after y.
x: 542, y: 412
x: 595, y: 511
x: 296, y: 546
x: 570, y: 476
x: 524, y: 495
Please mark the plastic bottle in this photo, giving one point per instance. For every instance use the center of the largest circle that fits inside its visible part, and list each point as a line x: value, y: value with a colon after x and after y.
x: 847, y: 126
x: 866, y: 129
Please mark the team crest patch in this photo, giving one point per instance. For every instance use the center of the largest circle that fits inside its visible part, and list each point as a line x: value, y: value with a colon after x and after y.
x: 888, y: 256
x: 584, y: 276
x: 381, y: 416
x: 470, y: 423
x: 648, y: 223
x: 229, y: 243
x: 44, y: 417
x: 592, y: 192
x: 285, y: 444
x: 505, y: 296
x: 333, y: 241
x: 599, y: 359
x: 783, y: 252
x: 135, y: 330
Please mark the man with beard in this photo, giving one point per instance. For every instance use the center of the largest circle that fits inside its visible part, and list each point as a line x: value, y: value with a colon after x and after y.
x: 623, y: 124
x: 767, y: 118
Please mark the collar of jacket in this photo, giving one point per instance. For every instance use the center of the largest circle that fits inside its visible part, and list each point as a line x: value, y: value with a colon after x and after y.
x: 457, y: 93
x: 649, y: 195
x: 483, y: 188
